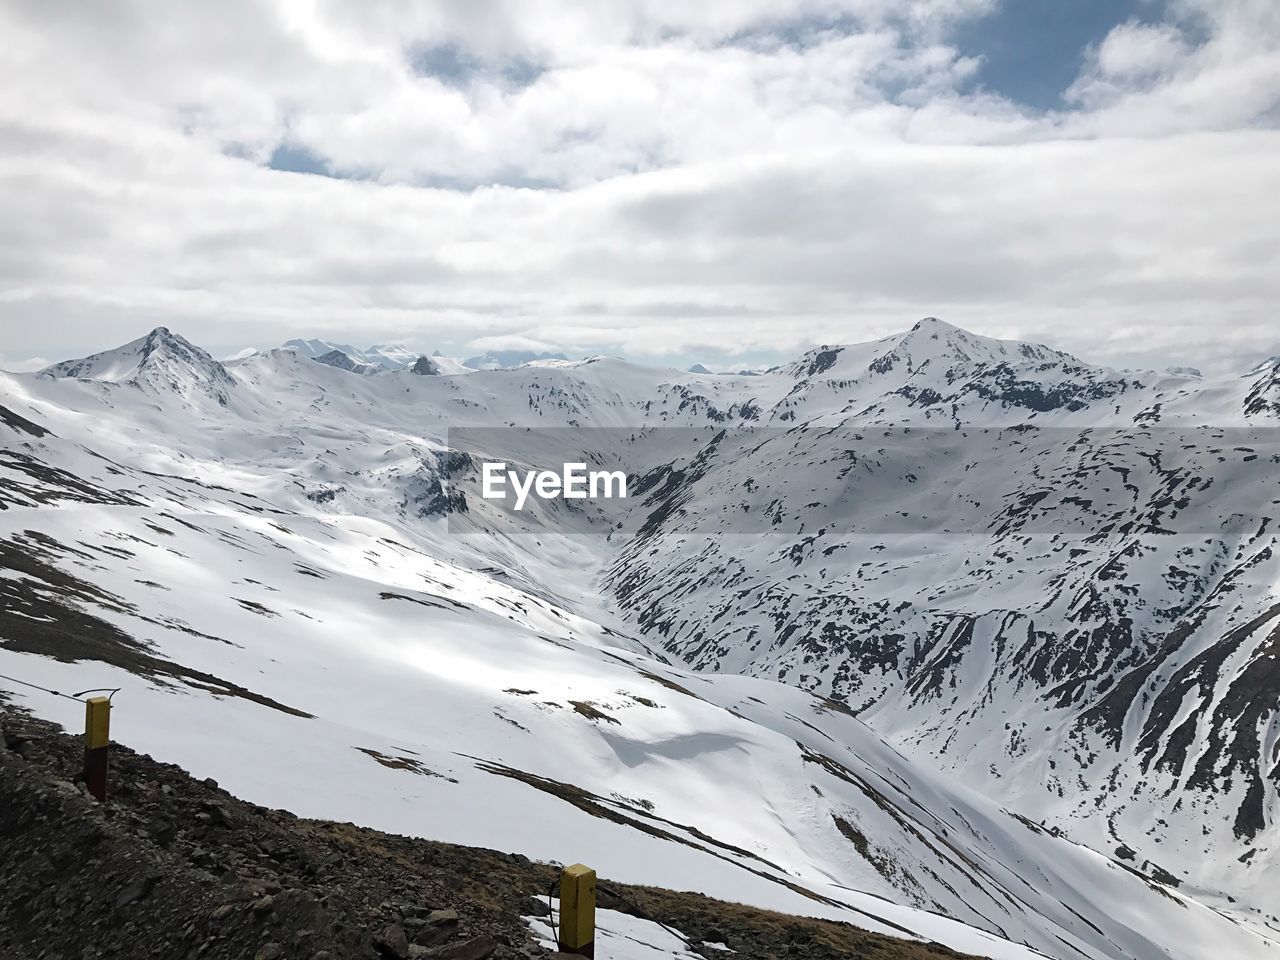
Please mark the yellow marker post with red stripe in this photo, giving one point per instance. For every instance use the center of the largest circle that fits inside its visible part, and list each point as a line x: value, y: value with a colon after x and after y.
x: 578, y: 910
x: 97, y: 740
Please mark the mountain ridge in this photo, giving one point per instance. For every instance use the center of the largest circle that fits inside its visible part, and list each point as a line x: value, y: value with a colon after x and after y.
x: 1089, y: 649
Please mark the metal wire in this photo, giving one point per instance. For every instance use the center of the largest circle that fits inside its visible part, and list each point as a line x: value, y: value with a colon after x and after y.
x: 109, y: 691
x: 36, y: 686
x: 551, y: 915
x: 77, y: 697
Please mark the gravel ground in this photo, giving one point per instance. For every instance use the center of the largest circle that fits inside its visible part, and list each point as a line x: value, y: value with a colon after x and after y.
x: 174, y: 867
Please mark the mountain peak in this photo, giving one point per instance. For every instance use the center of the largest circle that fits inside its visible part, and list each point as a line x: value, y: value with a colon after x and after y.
x: 942, y: 367
x: 933, y: 329
x: 935, y: 342
x: 161, y: 360
x: 933, y: 325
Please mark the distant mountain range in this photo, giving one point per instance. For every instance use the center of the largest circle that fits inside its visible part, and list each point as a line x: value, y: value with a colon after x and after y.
x: 382, y: 356
x: 396, y: 357
x: 939, y: 634
x: 505, y: 359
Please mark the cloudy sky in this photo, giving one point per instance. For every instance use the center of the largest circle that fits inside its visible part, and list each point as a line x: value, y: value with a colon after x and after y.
x: 729, y: 181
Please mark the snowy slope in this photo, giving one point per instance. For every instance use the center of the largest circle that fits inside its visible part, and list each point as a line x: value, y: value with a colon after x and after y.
x: 329, y: 667
x: 623, y: 937
x: 291, y: 546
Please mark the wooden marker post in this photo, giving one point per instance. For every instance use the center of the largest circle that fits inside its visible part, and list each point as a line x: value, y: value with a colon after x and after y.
x: 97, y: 737
x: 578, y: 911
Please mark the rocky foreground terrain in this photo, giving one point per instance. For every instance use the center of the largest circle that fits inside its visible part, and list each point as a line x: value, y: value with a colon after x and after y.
x: 174, y: 866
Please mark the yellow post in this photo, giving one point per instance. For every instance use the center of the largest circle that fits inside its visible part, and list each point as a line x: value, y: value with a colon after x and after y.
x: 578, y: 910
x: 97, y: 739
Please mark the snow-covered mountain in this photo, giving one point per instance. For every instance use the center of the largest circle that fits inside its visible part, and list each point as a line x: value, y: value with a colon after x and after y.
x: 504, y: 359
x: 1024, y: 608
x: 1065, y: 594
x: 312, y: 347
x: 377, y: 357
x: 397, y: 357
x: 343, y: 361
x: 390, y: 356
x: 160, y: 362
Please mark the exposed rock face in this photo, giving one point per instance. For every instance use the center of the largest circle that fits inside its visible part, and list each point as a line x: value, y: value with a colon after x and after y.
x: 425, y: 367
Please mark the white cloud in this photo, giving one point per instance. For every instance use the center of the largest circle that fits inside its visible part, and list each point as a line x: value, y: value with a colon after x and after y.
x: 1135, y: 50
x: 1155, y: 79
x: 24, y: 364
x: 756, y: 176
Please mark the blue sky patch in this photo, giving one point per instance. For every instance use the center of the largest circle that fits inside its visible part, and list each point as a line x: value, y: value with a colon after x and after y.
x: 296, y: 158
x: 1033, y: 49
x: 454, y: 67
